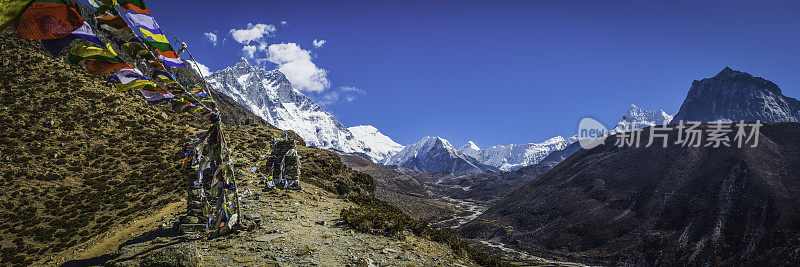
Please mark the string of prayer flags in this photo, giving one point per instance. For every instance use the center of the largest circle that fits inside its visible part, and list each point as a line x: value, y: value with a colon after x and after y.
x: 10, y: 10
x: 155, y: 39
x: 48, y: 19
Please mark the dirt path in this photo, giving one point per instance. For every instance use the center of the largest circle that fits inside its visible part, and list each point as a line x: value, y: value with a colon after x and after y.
x: 295, y: 228
x: 113, y: 242
x: 104, y: 245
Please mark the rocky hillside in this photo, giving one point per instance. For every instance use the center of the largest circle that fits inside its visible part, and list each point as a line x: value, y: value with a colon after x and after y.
x: 660, y: 206
x: 735, y: 95
x: 79, y: 158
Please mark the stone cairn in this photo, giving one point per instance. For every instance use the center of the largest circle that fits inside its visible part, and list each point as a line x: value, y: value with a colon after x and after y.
x: 196, y: 217
x: 285, y: 163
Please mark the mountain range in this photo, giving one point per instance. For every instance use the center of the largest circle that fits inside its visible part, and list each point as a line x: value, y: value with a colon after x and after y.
x: 435, y: 154
x: 515, y: 156
x: 271, y: 96
x: 668, y: 206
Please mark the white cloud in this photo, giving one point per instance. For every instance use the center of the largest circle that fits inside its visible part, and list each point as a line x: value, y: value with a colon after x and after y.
x: 329, y: 98
x: 296, y: 64
x: 319, y: 43
x: 249, y: 51
x: 284, y: 23
x: 342, y: 94
x: 211, y: 37
x: 200, y: 69
x: 252, y: 33
x: 351, y: 89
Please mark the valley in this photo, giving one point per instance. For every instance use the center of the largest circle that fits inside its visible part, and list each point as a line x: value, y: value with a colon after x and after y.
x: 119, y: 148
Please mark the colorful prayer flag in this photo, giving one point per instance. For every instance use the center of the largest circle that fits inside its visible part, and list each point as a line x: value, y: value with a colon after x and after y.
x: 156, y: 95
x: 143, y: 21
x: 171, y: 62
x: 10, y: 10
x: 98, y: 66
x: 136, y: 85
x: 126, y: 76
x: 52, y: 19
x: 79, y: 53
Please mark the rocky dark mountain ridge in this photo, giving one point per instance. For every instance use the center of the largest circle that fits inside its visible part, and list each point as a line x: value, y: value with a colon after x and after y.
x: 734, y: 95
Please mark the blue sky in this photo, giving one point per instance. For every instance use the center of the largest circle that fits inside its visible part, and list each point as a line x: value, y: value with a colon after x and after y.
x: 497, y: 72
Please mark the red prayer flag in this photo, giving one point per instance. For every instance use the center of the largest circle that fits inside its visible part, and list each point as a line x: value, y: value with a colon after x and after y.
x: 46, y: 21
x: 114, y: 21
x: 129, y: 6
x: 97, y: 67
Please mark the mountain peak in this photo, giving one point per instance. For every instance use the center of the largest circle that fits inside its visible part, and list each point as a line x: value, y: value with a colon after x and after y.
x: 380, y: 146
x: 243, y: 63
x: 642, y: 118
x: 728, y: 72
x: 733, y: 96
x: 471, y: 145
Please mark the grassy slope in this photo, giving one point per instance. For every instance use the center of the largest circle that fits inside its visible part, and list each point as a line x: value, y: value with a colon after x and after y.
x: 78, y: 157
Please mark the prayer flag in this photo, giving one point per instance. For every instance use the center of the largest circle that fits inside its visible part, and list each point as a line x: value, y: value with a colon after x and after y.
x: 48, y: 20
x: 137, y: 6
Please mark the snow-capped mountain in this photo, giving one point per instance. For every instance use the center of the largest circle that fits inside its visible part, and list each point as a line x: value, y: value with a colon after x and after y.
x: 470, y: 149
x: 379, y: 146
x: 515, y: 156
x: 271, y: 96
x: 435, y: 154
x: 734, y: 96
x: 636, y: 118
